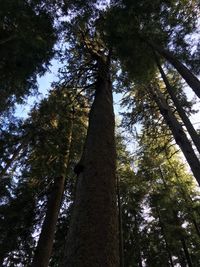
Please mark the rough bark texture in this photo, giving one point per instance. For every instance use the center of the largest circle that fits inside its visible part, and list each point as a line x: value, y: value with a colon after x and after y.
x: 187, y: 75
x: 93, y: 233
x: 45, y: 243
x: 177, y: 131
x: 192, y: 132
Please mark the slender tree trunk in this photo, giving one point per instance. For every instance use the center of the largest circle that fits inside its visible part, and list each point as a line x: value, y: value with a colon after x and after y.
x: 185, y: 193
x: 186, y: 252
x: 2, y: 257
x: 181, y: 258
x: 93, y: 234
x: 177, y: 131
x: 177, y: 221
x: 195, y: 137
x: 162, y: 226
x: 45, y: 243
x: 196, y: 225
x: 182, y: 240
x: 8, y: 39
x: 187, y: 75
x: 188, y: 200
x: 139, y: 256
x: 15, y: 154
x: 121, y: 240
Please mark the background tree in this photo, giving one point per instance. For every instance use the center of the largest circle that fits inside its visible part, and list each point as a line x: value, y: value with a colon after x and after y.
x: 27, y: 38
x: 41, y: 164
x: 101, y: 50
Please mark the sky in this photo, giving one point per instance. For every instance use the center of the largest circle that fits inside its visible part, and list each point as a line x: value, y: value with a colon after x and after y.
x: 195, y: 118
x: 44, y: 84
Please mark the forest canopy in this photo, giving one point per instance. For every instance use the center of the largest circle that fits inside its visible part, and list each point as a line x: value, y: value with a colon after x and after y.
x: 80, y: 186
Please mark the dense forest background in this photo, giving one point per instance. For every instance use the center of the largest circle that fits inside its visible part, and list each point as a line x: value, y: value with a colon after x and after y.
x: 79, y: 187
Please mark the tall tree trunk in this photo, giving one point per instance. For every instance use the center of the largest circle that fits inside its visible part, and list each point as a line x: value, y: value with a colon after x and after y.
x: 178, y: 223
x: 93, y: 234
x: 185, y: 193
x: 8, y: 39
x: 186, y: 252
x: 121, y: 239
x: 2, y: 257
x: 182, y: 239
x: 186, y: 74
x: 181, y: 258
x: 45, y: 243
x: 177, y: 131
x: 139, y: 256
x: 189, y: 201
x: 15, y: 155
x: 162, y: 227
x: 180, y: 110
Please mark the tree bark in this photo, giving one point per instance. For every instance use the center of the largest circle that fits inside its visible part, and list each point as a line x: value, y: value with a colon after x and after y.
x: 93, y: 234
x: 186, y: 252
x: 121, y: 239
x: 162, y: 227
x: 186, y: 74
x: 181, y: 258
x: 192, y: 132
x: 15, y: 154
x: 177, y: 131
x: 2, y: 257
x: 139, y: 256
x: 179, y: 224
x: 8, y: 39
x: 45, y: 243
x: 189, y: 202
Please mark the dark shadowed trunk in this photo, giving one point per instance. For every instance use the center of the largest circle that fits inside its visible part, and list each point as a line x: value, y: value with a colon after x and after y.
x: 2, y: 257
x: 188, y: 201
x: 137, y: 238
x: 93, y: 234
x: 177, y: 131
x: 163, y: 231
x: 14, y: 156
x: 6, y: 40
x: 178, y: 223
x: 182, y: 240
x: 181, y: 258
x: 121, y: 239
x: 186, y: 74
x: 161, y: 223
x: 186, y: 252
x: 45, y: 243
x: 192, y: 132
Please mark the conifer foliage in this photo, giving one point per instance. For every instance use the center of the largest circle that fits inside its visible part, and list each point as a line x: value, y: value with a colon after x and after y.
x: 74, y: 190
